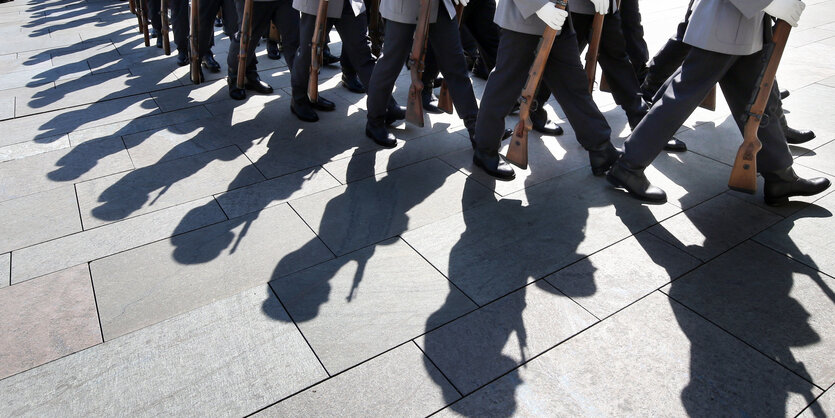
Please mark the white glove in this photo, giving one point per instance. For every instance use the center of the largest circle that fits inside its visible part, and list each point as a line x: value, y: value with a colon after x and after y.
x: 552, y: 16
x: 788, y: 10
x: 601, y: 6
x: 463, y: 3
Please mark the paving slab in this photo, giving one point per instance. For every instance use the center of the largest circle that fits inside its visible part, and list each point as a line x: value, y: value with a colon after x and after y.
x: 806, y: 236
x: 400, y: 382
x: 688, y: 178
x: 276, y: 191
x: 496, y: 248
x: 613, y: 278
x: 362, y: 304
x: 140, y: 124
x: 46, y: 319
x: 29, y: 148
x: 806, y: 109
x: 368, y: 211
x: 825, y: 405
x: 820, y: 159
x: 6, y: 108
x: 147, y: 189
x: 777, y: 305
x: 691, y: 368
x: 110, y: 239
x: 796, y: 203
x: 149, y: 284
x: 38, y: 217
x: 190, y: 365
x: 5, y: 268
x: 715, y: 226
x: 59, y: 168
x: 485, y: 344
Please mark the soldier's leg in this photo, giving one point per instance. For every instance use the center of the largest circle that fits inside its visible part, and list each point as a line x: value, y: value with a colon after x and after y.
x: 300, y: 74
x: 230, y: 17
x: 395, y: 50
x: 353, y: 31
x: 478, y: 19
x: 446, y: 43
x: 286, y: 19
x: 261, y: 12
x: 154, y: 7
x: 633, y: 35
x: 180, y: 25
x: 666, y: 61
x: 618, y: 70
x: 208, y: 11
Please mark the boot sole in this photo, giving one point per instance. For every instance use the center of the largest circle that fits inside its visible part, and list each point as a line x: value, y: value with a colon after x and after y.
x: 617, y: 183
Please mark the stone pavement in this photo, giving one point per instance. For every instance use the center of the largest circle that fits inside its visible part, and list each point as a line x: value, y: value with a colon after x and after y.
x: 166, y: 250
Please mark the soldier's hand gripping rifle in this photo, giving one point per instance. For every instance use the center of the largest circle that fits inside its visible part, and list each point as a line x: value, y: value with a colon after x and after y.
x: 166, y: 42
x: 246, y: 34
x: 445, y: 99
x: 375, y: 28
x: 317, y: 46
x: 517, y: 153
x: 194, y: 44
x: 594, y: 49
x: 414, y: 106
x: 744, y: 174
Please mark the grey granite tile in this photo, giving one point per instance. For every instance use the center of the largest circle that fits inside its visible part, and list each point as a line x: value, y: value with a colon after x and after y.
x: 496, y: 248
x: 30, y: 148
x: 361, y: 304
x: 779, y: 306
x: 159, y: 186
x: 5, y: 269
x: 155, y: 282
x: 39, y: 217
x: 715, y: 226
x: 825, y: 405
x: 139, y: 124
x: 46, y: 319
x: 807, y: 109
x: 40, y: 77
x: 407, y: 153
x: 688, y: 178
x: 371, y: 210
x: 273, y: 192
x: 6, y: 108
x: 806, y: 236
x: 114, y: 238
x: 485, y: 344
x: 63, y: 167
x: 654, y: 358
x: 821, y: 159
x: 718, y: 140
x: 230, y: 357
x: 795, y: 203
x: 611, y: 279
x: 400, y: 382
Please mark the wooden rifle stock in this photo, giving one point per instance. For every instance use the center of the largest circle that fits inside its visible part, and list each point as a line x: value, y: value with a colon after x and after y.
x: 594, y: 49
x: 317, y: 48
x: 414, y: 106
x: 709, y: 102
x: 246, y: 33
x: 132, y: 6
x: 445, y: 99
x: 744, y: 174
x: 143, y: 21
x: 194, y: 45
x: 375, y: 28
x: 166, y: 42
x: 517, y: 153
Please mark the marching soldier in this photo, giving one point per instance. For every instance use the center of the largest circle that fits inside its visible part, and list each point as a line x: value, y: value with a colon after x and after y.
x: 523, y: 22
x: 401, y: 20
x: 727, y: 47
x: 633, y: 34
x: 613, y: 58
x: 208, y: 13
x: 179, y: 21
x: 262, y: 12
x: 352, y: 25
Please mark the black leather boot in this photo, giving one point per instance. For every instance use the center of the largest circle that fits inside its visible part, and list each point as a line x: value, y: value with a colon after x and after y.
x: 209, y: 62
x: 543, y: 125
x: 234, y: 92
x: 783, y: 184
x: 796, y: 136
x: 353, y: 83
x: 427, y: 96
x: 273, y: 52
x: 254, y: 83
x: 637, y: 114
x: 602, y: 159
x: 636, y: 183
x: 303, y: 110
x: 379, y: 134
x: 323, y: 104
x: 493, y: 165
x: 182, y: 57
x: 395, y: 113
x: 675, y: 145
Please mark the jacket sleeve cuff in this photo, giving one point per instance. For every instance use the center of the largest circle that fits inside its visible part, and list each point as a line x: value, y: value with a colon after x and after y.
x: 529, y: 7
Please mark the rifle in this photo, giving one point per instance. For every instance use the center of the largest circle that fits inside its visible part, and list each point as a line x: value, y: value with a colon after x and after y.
x: 594, y: 49
x: 194, y: 45
x: 744, y: 174
x: 316, y: 49
x: 246, y: 33
x: 709, y: 102
x: 166, y: 43
x: 143, y: 20
x: 375, y: 28
x: 445, y: 99
x: 414, y: 106
x: 132, y: 6
x: 518, y: 151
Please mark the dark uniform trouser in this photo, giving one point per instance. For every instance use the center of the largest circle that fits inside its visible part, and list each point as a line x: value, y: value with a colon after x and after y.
x: 154, y: 7
x: 286, y: 20
x: 179, y: 21
x: 682, y: 93
x: 563, y: 75
x: 208, y: 12
x: 613, y: 61
x: 633, y: 35
x: 355, y: 44
x: 446, y: 43
x: 262, y: 11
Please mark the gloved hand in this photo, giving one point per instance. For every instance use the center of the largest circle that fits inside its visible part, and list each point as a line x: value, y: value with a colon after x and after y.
x: 788, y: 10
x: 601, y: 6
x: 552, y: 16
x: 463, y: 3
